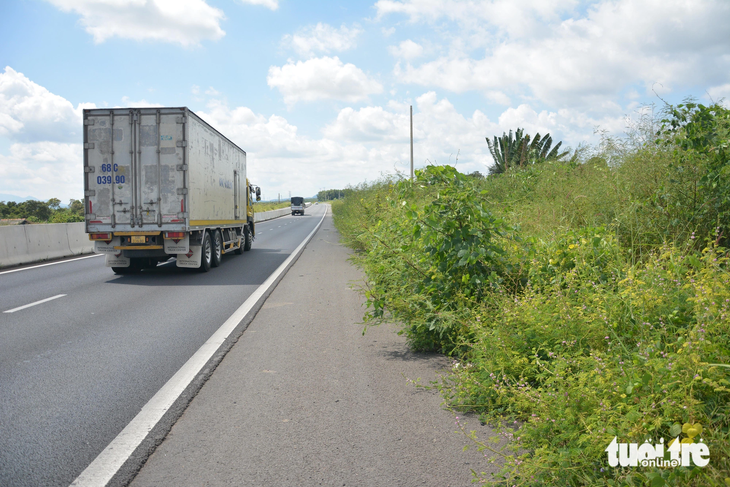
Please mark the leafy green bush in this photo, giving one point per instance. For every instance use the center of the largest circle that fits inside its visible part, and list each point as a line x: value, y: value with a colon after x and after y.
x: 580, y: 301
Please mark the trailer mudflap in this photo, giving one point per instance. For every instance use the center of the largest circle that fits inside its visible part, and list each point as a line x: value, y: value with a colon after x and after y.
x: 102, y: 247
x: 193, y: 261
x: 177, y: 246
x: 114, y: 260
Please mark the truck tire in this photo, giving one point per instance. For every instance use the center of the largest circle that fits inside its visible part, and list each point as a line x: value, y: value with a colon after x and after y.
x: 217, y: 249
x: 247, y: 239
x: 206, y: 251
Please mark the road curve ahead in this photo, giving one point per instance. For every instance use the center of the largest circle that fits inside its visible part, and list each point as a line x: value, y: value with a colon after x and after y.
x: 83, y: 350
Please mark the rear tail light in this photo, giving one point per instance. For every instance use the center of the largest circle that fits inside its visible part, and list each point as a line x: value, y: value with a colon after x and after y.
x: 106, y: 237
x: 174, y: 235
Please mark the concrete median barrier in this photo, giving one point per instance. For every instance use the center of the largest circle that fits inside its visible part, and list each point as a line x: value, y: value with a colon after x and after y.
x: 24, y: 244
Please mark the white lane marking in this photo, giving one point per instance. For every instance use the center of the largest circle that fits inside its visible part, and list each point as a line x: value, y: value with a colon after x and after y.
x: 109, y: 461
x: 34, y: 304
x: 52, y: 263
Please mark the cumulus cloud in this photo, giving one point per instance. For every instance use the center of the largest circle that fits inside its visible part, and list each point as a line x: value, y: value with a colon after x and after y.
x: 322, y: 38
x: 406, y: 50
x: 522, y: 18
x: 185, y: 22
x: 716, y: 94
x: 358, y: 144
x: 29, y: 112
x: 44, y: 170
x: 321, y: 79
x: 575, y: 61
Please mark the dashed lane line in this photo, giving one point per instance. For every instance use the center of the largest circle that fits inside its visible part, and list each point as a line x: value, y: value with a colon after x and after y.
x: 52, y: 263
x: 34, y: 304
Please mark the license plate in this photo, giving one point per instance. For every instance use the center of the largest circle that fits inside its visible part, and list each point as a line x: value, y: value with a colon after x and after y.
x: 138, y: 239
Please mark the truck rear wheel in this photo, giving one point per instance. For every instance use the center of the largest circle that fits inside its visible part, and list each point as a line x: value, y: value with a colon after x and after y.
x: 217, y: 249
x: 206, y: 257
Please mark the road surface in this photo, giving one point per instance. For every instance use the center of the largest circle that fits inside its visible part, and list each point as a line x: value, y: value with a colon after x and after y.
x: 83, y: 350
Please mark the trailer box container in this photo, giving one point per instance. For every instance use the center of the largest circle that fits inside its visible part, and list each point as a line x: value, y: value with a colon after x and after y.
x: 161, y: 182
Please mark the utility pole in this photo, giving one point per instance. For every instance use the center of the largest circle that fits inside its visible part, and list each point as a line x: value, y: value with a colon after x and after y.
x: 411, y: 142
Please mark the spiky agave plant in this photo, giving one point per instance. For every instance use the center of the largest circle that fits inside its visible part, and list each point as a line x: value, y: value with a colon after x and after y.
x: 520, y: 150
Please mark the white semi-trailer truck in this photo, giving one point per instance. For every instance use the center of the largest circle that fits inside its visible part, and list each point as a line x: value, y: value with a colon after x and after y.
x: 161, y: 183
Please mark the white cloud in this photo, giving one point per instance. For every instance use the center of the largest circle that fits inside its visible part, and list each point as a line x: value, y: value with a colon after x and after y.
x: 578, y: 61
x: 358, y: 145
x: 30, y: 113
x: 321, y: 79
x: 185, y: 22
x: 716, y: 93
x: 270, y: 4
x: 43, y: 170
x: 406, y: 50
x: 498, y: 97
x: 370, y: 124
x: 322, y: 38
x: 522, y: 18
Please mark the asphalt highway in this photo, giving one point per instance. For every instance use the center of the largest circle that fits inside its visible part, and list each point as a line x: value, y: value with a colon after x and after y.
x: 83, y: 350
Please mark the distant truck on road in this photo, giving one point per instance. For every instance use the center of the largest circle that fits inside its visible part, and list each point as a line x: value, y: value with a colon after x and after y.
x: 297, y: 205
x: 161, y: 183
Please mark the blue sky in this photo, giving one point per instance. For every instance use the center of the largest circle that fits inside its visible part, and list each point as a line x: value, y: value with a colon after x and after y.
x: 317, y: 93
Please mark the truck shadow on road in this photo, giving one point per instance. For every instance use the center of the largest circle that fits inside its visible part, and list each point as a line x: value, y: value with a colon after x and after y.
x: 251, y: 268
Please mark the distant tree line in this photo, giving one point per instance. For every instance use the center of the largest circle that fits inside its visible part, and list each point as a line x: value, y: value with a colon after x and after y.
x: 43, y: 211
x: 332, y: 194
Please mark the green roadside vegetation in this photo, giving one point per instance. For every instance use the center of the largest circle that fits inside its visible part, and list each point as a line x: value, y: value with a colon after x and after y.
x: 581, y: 298
x: 261, y: 206
x: 331, y: 194
x: 43, y: 211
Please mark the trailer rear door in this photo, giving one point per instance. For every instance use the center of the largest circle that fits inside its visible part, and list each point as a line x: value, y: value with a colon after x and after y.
x: 135, y: 168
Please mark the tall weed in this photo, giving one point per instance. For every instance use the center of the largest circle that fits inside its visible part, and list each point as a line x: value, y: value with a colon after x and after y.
x: 580, y: 301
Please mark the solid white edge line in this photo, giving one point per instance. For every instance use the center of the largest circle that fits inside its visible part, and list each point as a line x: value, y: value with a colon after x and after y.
x: 109, y: 461
x: 52, y: 263
x: 34, y: 304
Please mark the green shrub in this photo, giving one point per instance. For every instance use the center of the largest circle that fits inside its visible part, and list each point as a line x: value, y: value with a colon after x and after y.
x: 580, y: 301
